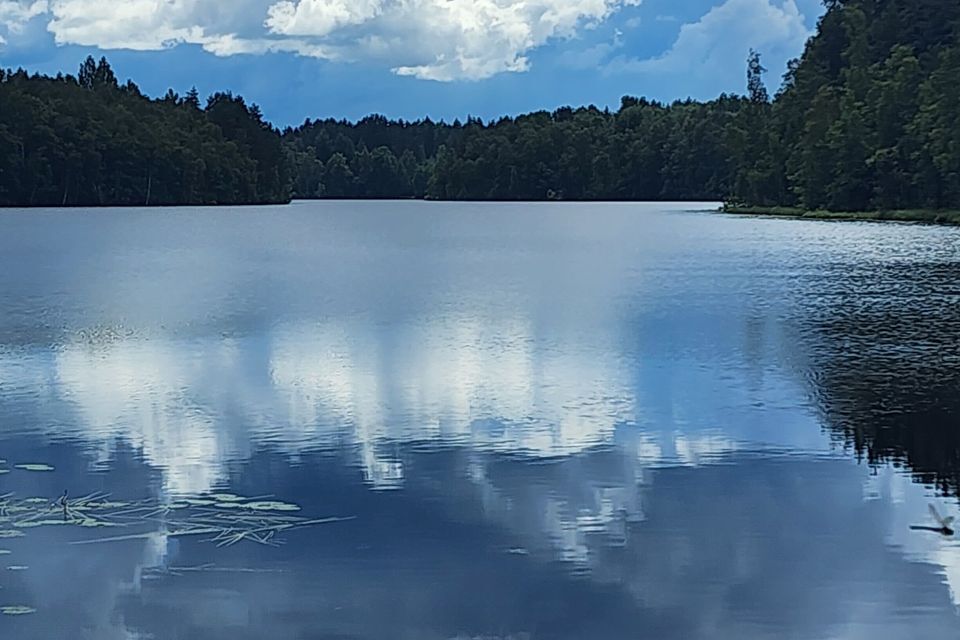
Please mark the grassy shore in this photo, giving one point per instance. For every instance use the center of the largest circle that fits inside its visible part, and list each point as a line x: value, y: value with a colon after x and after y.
x: 929, y: 216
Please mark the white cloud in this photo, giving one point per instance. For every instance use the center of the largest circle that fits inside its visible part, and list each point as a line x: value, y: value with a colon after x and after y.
x: 319, y: 17
x: 231, y: 45
x: 131, y: 24
x: 709, y: 49
x: 431, y: 39
x: 440, y: 39
x: 14, y: 14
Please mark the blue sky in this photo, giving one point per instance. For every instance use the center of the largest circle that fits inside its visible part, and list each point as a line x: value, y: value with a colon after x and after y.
x: 414, y: 58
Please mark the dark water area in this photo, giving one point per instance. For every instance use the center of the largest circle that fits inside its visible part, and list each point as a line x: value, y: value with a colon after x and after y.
x: 435, y: 421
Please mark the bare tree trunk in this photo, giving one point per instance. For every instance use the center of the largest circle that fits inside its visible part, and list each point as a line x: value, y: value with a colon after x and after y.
x: 149, y: 186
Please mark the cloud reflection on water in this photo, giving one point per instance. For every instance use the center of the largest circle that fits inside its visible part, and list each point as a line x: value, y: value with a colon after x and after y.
x: 648, y: 458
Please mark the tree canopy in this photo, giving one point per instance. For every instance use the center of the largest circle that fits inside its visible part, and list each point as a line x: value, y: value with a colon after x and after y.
x: 87, y: 140
x: 868, y: 118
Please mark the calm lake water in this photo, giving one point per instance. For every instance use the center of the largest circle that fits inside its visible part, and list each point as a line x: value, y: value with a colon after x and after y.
x: 526, y: 420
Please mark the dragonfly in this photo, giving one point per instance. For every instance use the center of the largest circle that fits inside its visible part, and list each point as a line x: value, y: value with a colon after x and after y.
x: 945, y: 522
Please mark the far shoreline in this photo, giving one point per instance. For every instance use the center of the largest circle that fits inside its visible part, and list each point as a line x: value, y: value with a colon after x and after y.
x: 922, y: 216
x: 700, y: 205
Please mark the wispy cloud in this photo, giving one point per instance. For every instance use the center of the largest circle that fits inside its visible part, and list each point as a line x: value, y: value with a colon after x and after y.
x: 719, y: 41
x: 592, y: 57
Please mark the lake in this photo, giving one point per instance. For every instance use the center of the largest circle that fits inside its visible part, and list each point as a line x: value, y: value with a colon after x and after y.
x: 407, y: 420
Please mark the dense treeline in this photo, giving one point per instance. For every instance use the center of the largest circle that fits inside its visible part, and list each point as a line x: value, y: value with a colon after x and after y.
x: 87, y: 140
x: 868, y: 118
x: 643, y: 151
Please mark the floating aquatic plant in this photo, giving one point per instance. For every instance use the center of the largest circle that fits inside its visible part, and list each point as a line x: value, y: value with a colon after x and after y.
x: 27, y: 524
x: 226, y: 497
x: 270, y: 506
x: 224, y: 519
x: 33, y: 467
x: 203, y: 568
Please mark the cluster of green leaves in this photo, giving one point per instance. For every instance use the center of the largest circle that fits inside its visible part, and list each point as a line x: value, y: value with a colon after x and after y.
x: 87, y: 140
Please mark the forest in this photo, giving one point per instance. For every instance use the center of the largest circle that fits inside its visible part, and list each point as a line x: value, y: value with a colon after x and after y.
x: 868, y: 118
x: 86, y: 140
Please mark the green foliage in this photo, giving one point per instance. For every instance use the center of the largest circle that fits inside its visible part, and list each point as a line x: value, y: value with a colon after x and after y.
x: 867, y: 119
x: 88, y: 141
x: 756, y: 89
x: 644, y: 151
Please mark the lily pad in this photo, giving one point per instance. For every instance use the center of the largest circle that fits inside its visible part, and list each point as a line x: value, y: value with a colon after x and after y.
x: 270, y: 506
x: 226, y: 497
x: 34, y: 467
x: 29, y: 524
x: 197, y: 502
x: 17, y: 610
x: 96, y: 524
x: 102, y: 505
x: 18, y: 509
